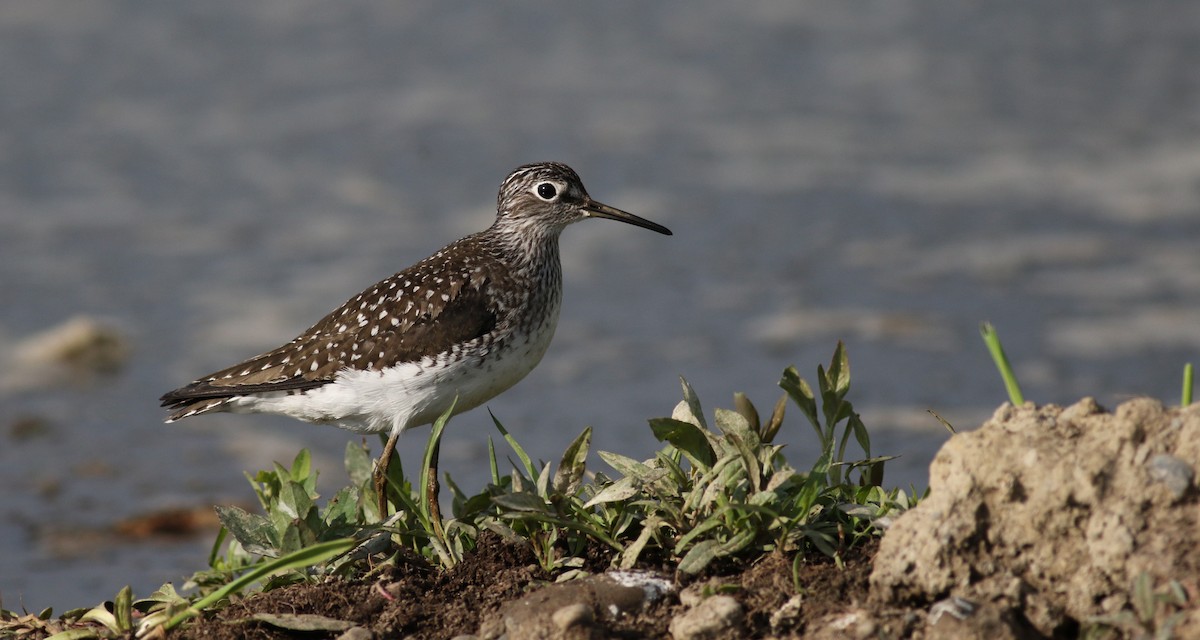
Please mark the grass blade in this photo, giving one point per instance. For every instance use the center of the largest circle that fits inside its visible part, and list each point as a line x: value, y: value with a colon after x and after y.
x: 431, y: 449
x: 495, y: 468
x: 516, y: 447
x: 306, y: 557
x: 992, y: 340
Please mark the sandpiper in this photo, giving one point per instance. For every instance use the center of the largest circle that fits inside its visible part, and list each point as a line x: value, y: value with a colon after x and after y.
x: 466, y: 323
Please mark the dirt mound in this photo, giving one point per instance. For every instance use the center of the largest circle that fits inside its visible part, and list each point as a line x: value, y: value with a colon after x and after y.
x: 1049, y: 518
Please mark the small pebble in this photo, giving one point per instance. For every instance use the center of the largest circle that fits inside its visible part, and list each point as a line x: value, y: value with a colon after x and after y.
x: 1176, y: 474
x: 573, y: 615
x: 692, y: 595
x: 356, y: 633
x: 787, y: 615
x: 716, y: 617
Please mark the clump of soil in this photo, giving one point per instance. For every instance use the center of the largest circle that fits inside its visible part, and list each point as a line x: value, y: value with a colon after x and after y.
x: 1050, y: 516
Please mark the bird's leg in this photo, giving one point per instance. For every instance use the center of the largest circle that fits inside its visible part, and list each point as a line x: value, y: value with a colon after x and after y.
x: 381, y: 475
x: 432, y: 487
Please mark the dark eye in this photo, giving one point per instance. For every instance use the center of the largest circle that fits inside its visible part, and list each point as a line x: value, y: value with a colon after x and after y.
x: 546, y: 191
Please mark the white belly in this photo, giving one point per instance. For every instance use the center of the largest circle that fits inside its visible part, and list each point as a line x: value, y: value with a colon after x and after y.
x: 412, y: 394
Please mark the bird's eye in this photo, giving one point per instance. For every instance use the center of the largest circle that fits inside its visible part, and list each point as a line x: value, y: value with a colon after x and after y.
x: 546, y: 191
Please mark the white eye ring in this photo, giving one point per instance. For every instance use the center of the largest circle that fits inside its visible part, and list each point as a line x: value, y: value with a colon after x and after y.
x: 547, y: 191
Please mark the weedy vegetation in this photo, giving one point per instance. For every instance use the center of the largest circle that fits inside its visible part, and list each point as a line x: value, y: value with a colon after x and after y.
x: 718, y: 488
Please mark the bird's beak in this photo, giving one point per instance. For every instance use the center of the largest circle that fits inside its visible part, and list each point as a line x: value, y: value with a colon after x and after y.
x: 595, y: 209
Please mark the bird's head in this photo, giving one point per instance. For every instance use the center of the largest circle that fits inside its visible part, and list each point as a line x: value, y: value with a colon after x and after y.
x: 549, y: 196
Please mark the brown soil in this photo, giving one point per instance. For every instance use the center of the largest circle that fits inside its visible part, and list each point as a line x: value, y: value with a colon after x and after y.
x: 413, y: 600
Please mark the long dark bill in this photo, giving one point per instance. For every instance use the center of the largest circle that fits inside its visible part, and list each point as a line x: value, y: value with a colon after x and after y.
x: 601, y: 210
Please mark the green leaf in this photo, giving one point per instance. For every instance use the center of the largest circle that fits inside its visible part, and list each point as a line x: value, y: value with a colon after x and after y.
x: 290, y: 539
x: 495, y: 468
x: 567, y: 523
x: 525, y: 502
x: 689, y: 410
x: 733, y: 423
x: 753, y: 468
x: 622, y: 489
x: 119, y: 620
x: 742, y: 405
x: 629, y: 555
x: 573, y: 464
x: 737, y: 543
x: 674, y: 475
x: 342, y: 509
x: 215, y: 552
x: 820, y: 470
x: 745, y: 440
x: 772, y: 426
x: 123, y: 609
x: 860, y: 433
x: 294, y: 501
x: 839, y: 371
x: 831, y: 404
x: 797, y: 388
x: 699, y: 557
x: 70, y: 615
x: 715, y: 521
x: 358, y: 463
x: 686, y: 437
x: 301, y: 466
x: 779, y: 478
x: 253, y: 531
x: 1143, y: 598
x: 302, y: 622
x: 823, y: 541
x: 992, y: 340
x: 165, y: 594
x: 516, y: 446
x: 543, y: 481
x: 473, y: 506
x: 102, y: 616
x: 714, y: 483
x: 624, y: 465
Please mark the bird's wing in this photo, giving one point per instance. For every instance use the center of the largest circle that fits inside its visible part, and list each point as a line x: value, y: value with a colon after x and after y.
x: 387, y: 324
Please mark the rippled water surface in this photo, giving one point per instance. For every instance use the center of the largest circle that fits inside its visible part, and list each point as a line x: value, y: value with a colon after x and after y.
x: 210, y: 178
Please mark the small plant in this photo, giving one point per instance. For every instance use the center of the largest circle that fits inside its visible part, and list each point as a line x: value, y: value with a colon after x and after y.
x: 292, y: 522
x: 546, y: 509
x: 712, y: 494
x: 1153, y: 613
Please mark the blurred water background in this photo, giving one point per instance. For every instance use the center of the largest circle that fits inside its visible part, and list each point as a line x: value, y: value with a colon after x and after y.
x: 209, y: 178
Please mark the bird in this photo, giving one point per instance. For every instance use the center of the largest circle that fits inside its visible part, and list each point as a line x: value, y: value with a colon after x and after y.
x: 453, y: 330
